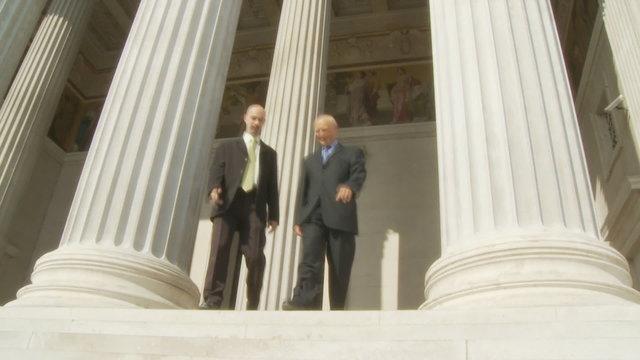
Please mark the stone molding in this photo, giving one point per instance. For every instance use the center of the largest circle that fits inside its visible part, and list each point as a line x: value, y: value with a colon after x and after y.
x: 53, y: 150
x: 344, y: 52
x: 387, y: 132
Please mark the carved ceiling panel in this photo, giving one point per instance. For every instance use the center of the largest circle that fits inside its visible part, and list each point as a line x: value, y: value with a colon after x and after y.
x: 352, y: 7
x: 353, y: 20
x: 364, y: 34
x: 406, y: 4
x: 107, y: 28
x: 253, y: 15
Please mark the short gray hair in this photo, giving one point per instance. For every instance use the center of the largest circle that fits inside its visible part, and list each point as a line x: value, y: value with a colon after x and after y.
x: 328, y: 118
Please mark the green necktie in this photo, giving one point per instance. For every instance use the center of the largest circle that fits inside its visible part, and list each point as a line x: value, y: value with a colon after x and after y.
x: 250, y: 169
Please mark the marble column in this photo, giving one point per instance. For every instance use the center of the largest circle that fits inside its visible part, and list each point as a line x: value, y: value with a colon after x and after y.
x: 18, y: 20
x: 295, y: 97
x: 128, y: 241
x: 620, y: 19
x: 518, y: 223
x: 27, y: 111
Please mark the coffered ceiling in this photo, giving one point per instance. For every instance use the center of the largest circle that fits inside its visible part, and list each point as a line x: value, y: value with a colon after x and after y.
x: 112, y: 20
x: 257, y: 28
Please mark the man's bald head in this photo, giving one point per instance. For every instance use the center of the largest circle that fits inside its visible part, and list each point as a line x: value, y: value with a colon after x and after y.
x: 254, y: 107
x: 254, y: 118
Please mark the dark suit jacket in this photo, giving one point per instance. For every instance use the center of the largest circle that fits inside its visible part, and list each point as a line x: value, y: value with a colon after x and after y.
x: 319, y: 183
x: 227, y: 170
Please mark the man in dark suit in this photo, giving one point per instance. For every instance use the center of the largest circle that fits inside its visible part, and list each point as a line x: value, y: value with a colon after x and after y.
x: 244, y: 192
x: 326, y: 218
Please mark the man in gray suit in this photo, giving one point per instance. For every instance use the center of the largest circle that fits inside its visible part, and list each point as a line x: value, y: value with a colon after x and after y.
x: 326, y: 218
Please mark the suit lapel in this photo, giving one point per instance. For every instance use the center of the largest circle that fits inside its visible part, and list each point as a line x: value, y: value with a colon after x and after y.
x: 262, y: 162
x: 263, y: 149
x: 317, y: 157
x: 337, y: 150
x: 240, y: 157
x: 242, y: 146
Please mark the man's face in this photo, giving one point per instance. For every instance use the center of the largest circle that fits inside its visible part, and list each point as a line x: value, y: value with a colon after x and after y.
x: 326, y: 132
x: 254, y: 120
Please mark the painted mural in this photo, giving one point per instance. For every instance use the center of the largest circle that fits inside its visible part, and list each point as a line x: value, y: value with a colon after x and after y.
x: 362, y: 97
x: 75, y: 121
x: 381, y: 96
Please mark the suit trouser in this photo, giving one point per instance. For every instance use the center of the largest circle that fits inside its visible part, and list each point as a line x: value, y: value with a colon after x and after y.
x: 339, y: 247
x: 240, y: 217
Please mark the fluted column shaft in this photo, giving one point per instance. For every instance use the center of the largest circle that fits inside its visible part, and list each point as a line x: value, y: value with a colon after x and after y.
x: 28, y: 109
x: 18, y: 21
x: 518, y: 225
x: 620, y: 19
x: 295, y: 97
x: 129, y: 237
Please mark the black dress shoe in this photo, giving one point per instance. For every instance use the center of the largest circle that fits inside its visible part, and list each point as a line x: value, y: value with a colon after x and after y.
x: 292, y: 305
x: 210, y: 306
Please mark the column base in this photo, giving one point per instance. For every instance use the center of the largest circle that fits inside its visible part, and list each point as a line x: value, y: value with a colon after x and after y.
x: 105, y: 277
x: 531, y: 272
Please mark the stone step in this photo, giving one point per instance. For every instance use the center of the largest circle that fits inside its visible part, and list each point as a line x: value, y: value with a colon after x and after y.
x: 32, y: 354
x: 532, y: 333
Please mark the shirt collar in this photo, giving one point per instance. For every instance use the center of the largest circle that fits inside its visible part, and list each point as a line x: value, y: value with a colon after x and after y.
x: 330, y: 147
x: 246, y: 136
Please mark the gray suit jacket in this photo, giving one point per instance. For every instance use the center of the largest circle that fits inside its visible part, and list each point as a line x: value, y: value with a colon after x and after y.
x: 319, y: 183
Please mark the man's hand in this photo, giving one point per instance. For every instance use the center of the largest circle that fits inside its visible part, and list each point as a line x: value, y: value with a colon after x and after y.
x: 273, y: 225
x: 216, y: 196
x: 344, y: 194
x: 298, y: 230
